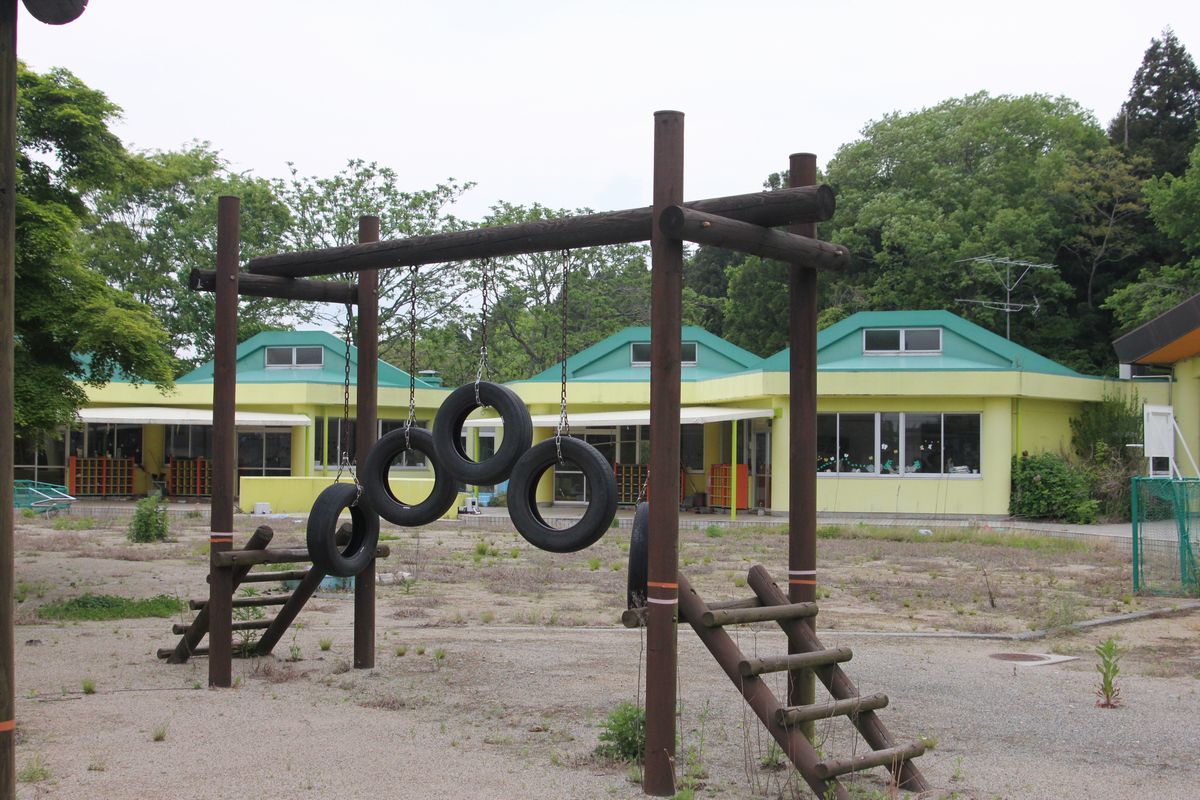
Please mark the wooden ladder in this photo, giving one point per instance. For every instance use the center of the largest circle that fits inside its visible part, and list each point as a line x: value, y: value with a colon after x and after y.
x: 784, y: 723
x: 242, y: 562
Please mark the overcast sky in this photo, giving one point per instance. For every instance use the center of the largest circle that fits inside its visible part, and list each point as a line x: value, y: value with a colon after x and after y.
x: 553, y: 101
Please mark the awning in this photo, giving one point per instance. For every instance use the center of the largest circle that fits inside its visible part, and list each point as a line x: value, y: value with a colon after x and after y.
x: 690, y: 415
x: 165, y: 415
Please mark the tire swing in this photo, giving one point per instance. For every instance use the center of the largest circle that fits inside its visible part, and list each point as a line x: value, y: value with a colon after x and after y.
x: 453, y: 413
x: 598, y: 473
x: 639, y: 558
x: 333, y: 499
x: 376, y: 488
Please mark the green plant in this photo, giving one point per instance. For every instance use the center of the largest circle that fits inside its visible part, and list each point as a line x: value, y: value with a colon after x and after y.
x: 294, y: 652
x: 34, y: 770
x: 499, y: 500
x: 149, y: 523
x: 106, y: 606
x: 401, y: 650
x: 593, y: 564
x: 88, y: 685
x: 1108, y: 695
x: 420, y: 650
x: 68, y: 523
x: 714, y: 531
x: 1047, y: 486
x: 325, y: 644
x: 159, y: 733
x: 247, y: 638
x: 1065, y: 612
x: 623, y: 734
x: 773, y: 758
x: 28, y: 513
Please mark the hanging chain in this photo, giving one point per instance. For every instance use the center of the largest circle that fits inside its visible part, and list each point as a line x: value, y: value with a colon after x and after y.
x: 642, y: 492
x: 563, y: 425
x: 412, y: 357
x: 344, y: 462
x: 482, y: 371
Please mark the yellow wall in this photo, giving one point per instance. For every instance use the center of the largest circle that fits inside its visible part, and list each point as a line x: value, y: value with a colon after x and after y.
x: 288, y: 495
x: 1186, y: 401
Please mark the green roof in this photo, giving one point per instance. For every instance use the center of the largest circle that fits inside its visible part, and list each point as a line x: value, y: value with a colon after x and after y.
x: 965, y: 347
x: 252, y: 362
x: 610, y: 359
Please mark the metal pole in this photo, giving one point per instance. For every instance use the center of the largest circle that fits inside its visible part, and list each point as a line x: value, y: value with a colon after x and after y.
x: 666, y: 316
x: 367, y: 416
x: 224, y: 442
x: 802, y: 437
x: 8, y: 225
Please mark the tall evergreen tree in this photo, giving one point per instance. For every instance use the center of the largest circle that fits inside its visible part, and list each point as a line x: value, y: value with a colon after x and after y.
x: 1159, y: 120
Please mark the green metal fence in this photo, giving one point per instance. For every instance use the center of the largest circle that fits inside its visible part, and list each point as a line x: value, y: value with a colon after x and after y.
x: 1166, y: 527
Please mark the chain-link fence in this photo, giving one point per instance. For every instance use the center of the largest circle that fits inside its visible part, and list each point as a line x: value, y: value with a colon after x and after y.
x: 1166, y: 526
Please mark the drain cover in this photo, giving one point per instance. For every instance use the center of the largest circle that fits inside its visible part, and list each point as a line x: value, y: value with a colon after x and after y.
x: 1019, y: 657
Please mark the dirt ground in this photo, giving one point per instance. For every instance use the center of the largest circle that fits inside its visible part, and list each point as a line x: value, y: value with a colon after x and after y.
x: 497, y: 664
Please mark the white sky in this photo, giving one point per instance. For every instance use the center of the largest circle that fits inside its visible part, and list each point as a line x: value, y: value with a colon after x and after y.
x: 552, y: 101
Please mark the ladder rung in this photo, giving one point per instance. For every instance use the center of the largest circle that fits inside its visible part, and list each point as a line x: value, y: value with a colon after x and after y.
x: 243, y: 602
x: 636, y: 617
x: 742, y: 616
x: 264, y: 577
x: 238, y: 650
x: 747, y: 602
x: 247, y: 625
x: 818, y: 658
x: 795, y: 715
x: 892, y: 758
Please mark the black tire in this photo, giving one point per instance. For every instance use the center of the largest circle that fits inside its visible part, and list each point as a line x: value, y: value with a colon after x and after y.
x: 378, y: 493
x: 322, y: 528
x: 522, y: 496
x: 448, y: 426
x: 639, y: 558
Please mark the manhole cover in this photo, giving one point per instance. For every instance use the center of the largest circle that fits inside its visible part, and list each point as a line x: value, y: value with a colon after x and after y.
x: 1019, y: 657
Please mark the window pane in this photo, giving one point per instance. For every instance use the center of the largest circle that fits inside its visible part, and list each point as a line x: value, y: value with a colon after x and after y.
x: 319, y: 440
x: 202, y: 441
x: 962, y: 443
x: 640, y: 353
x: 691, y: 447
x: 568, y: 485
x: 606, y: 443
x: 129, y: 442
x: 927, y: 339
x: 309, y: 356
x: 279, y: 451
x: 923, y: 443
x: 882, y: 341
x: 250, y: 453
x: 26, y: 452
x: 889, y: 443
x: 687, y: 352
x: 75, y: 445
x: 856, y: 443
x: 827, y: 450
x: 279, y: 356
x: 179, y: 441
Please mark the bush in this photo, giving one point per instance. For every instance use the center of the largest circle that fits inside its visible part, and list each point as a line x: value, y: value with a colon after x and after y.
x: 1099, y: 436
x: 149, y: 523
x: 624, y: 734
x: 1047, y: 486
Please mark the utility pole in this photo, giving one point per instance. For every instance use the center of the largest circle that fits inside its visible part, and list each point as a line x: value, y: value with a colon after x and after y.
x: 1008, y: 284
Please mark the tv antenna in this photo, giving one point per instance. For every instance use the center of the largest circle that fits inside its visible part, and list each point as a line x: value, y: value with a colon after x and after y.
x: 1009, y: 283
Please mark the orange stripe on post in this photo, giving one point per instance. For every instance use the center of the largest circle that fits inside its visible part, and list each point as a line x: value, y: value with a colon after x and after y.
x: 801, y: 582
x: 8, y: 725
x: 662, y: 585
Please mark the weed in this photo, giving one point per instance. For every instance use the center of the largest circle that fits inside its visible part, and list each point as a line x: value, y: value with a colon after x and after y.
x: 1065, y: 612
x: 247, y: 638
x: 149, y: 523
x: 593, y: 564
x: 159, y: 733
x: 773, y: 759
x: 88, y: 685
x: 714, y: 532
x: 96, y: 765
x: 34, y: 771
x: 294, y: 652
x: 106, y: 606
x: 928, y: 740
x: 439, y: 654
x: 73, y: 523
x: 739, y: 581
x: 1108, y: 695
x: 401, y: 650
x: 623, y: 737
x: 420, y: 650
x: 325, y: 645
x: 487, y: 617
x: 957, y: 774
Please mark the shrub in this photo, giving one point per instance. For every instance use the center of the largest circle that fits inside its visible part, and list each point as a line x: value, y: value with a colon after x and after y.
x: 624, y: 734
x: 1047, y: 486
x: 149, y: 523
x: 1099, y: 436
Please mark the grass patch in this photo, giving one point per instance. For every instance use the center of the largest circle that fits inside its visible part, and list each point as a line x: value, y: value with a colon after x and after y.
x: 987, y: 538
x: 34, y: 771
x: 107, y: 606
x: 73, y: 523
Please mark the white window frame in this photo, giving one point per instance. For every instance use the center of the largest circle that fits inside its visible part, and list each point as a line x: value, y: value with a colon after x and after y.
x: 293, y: 348
x: 902, y: 456
x: 903, y: 351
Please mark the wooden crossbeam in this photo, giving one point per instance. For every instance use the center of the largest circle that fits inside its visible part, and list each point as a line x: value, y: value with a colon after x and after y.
x: 746, y: 237
x: 795, y: 715
x: 820, y: 658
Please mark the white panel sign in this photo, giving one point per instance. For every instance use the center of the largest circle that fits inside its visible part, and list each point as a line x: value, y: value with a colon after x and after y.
x: 1159, y: 426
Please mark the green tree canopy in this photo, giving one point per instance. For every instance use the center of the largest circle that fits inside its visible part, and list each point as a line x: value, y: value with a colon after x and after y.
x: 71, y: 326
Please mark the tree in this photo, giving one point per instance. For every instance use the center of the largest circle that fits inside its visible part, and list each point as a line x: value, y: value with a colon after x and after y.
x: 158, y: 222
x: 704, y: 272
x: 71, y: 327
x: 1159, y: 119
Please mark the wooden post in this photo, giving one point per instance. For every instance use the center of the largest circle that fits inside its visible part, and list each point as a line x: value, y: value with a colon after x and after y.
x: 224, y: 442
x: 367, y: 415
x: 802, y: 433
x: 8, y: 229
x: 663, y: 587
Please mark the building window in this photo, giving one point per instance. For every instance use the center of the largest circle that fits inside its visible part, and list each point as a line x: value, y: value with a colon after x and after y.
x: 40, y: 457
x: 264, y: 452
x: 907, y: 341
x: 295, y: 357
x: 691, y: 447
x: 899, y: 443
x: 409, y: 458
x: 189, y: 441
x: 639, y: 354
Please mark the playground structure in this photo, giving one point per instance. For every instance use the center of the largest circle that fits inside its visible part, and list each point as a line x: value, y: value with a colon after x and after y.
x: 743, y: 223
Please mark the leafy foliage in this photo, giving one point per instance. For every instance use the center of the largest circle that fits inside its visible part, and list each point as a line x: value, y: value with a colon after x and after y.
x: 1107, y: 694
x: 1099, y: 439
x: 107, y: 606
x: 623, y: 737
x: 1047, y: 486
x: 149, y: 522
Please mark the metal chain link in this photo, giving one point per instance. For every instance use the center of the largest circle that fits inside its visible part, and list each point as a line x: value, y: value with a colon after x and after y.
x: 344, y: 462
x: 563, y: 424
x: 412, y: 357
x: 482, y: 371
x: 642, y: 493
